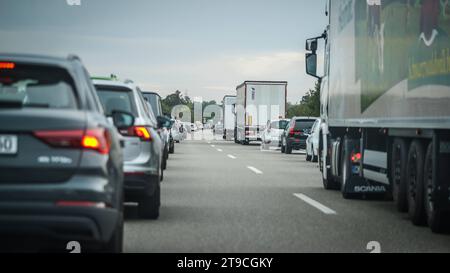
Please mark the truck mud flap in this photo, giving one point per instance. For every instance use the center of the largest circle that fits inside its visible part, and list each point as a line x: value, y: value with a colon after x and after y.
x: 358, y: 185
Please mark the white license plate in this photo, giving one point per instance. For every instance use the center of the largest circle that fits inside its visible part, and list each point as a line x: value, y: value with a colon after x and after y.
x: 8, y: 144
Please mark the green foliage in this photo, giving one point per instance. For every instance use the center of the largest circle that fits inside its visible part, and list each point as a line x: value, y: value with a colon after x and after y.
x: 177, y: 98
x: 309, y: 105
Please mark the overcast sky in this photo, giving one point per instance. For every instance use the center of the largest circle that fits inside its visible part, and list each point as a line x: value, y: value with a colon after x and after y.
x: 203, y: 47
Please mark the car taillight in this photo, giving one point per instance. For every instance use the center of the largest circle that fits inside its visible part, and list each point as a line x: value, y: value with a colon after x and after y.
x: 7, y: 65
x: 93, y: 139
x: 80, y: 204
x: 291, y: 132
x: 139, y: 131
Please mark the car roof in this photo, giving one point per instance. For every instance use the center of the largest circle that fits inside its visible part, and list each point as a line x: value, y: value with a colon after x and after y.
x: 114, y: 82
x: 151, y: 92
x: 309, y: 118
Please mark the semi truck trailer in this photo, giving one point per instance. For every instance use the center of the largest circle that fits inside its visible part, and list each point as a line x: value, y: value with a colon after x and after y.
x: 385, y: 103
x: 256, y: 103
x: 229, y: 103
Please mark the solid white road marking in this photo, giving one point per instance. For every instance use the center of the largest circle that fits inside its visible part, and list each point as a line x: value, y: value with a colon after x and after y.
x: 232, y: 156
x: 255, y: 170
x: 219, y: 150
x: 213, y: 146
x: 315, y: 204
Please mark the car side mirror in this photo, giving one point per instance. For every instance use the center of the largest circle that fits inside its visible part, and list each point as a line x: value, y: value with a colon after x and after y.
x: 122, y: 119
x: 311, y: 45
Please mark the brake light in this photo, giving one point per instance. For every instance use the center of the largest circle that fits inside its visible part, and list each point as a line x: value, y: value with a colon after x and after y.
x: 97, y: 139
x: 7, y: 65
x: 291, y: 131
x: 356, y: 157
x: 139, y: 131
x: 93, y: 139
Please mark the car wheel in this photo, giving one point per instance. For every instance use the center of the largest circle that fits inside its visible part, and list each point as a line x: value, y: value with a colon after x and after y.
x: 164, y: 160
x: 415, y: 187
x: 283, y: 148
x: 288, y: 149
x: 149, y: 205
x: 172, y: 148
x: 398, y: 169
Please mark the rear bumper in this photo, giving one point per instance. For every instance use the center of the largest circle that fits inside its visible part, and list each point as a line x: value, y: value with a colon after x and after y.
x: 47, y: 220
x: 297, y: 144
x: 139, y: 184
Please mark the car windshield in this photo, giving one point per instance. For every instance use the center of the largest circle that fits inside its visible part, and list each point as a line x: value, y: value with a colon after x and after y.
x: 119, y: 99
x: 37, y: 86
x: 280, y: 124
x: 304, y: 124
x: 154, y: 101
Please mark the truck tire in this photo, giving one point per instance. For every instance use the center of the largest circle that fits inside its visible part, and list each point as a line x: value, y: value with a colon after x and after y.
x: 314, y: 158
x: 434, y: 216
x: 415, y: 187
x: 148, y: 207
x: 345, y: 171
x: 398, y: 174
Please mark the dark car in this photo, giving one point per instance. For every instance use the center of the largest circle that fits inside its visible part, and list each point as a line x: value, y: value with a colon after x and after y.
x: 295, y: 134
x: 61, y: 171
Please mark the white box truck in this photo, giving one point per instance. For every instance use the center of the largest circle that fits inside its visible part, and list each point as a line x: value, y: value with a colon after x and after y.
x: 256, y: 103
x: 385, y: 103
x: 229, y: 103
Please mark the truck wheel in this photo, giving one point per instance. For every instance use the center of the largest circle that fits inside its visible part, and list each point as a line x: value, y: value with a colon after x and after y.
x: 398, y: 174
x: 314, y: 158
x: 345, y: 172
x: 415, y: 187
x: 148, y: 207
x: 434, y: 216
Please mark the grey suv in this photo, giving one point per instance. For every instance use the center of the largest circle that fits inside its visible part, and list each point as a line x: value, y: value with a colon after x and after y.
x: 61, y: 170
x: 143, y: 155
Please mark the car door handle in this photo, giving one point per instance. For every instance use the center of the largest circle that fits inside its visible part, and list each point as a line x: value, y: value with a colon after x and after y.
x: 122, y: 143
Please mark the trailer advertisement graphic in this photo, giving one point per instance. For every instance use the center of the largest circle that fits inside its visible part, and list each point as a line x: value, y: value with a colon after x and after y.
x: 399, y: 40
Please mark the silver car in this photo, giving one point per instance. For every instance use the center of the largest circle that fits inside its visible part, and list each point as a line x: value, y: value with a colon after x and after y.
x: 143, y: 147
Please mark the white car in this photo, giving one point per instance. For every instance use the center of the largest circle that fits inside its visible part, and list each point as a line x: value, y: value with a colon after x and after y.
x: 271, y: 136
x: 312, y: 142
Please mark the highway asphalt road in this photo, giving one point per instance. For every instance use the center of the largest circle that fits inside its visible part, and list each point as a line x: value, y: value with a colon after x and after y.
x: 224, y: 197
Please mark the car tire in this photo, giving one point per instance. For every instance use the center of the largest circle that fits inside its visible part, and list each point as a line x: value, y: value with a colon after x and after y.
x: 415, y: 179
x: 115, y: 244
x: 288, y: 149
x: 149, y: 205
x: 283, y: 148
x: 164, y: 160
x: 172, y: 148
x: 398, y: 174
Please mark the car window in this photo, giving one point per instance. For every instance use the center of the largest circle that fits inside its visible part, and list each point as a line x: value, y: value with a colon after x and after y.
x: 304, y: 124
x: 155, y: 103
x: 116, y: 98
x: 38, y: 86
